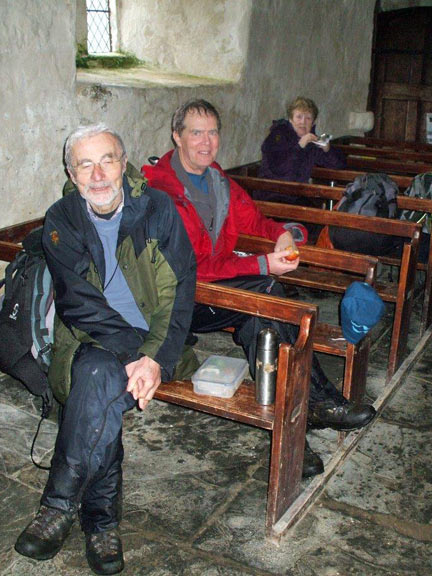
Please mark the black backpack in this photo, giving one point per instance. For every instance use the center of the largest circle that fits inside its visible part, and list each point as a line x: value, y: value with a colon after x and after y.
x: 369, y: 195
x: 26, y: 311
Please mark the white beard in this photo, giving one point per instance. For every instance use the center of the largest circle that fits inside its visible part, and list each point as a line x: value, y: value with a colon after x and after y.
x: 101, y: 200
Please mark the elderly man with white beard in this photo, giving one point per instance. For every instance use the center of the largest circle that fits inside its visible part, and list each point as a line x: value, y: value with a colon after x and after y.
x: 124, y: 278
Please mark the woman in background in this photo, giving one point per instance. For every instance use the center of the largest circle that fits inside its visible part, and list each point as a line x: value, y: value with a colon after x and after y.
x: 292, y: 149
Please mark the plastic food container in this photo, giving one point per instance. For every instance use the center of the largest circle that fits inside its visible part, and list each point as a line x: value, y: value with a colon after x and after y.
x: 219, y: 376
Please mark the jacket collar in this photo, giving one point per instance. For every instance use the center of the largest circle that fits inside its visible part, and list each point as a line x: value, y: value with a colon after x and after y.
x: 133, y: 187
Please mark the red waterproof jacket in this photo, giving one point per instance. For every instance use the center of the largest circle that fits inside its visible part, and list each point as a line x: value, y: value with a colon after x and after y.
x: 239, y: 216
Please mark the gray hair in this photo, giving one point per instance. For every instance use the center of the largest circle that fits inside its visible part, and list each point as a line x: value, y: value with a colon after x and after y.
x: 86, y: 132
x: 200, y: 106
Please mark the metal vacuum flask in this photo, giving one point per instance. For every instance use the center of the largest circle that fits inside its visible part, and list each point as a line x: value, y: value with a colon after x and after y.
x: 266, y: 366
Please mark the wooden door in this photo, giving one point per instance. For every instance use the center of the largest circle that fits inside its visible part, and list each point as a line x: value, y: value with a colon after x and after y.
x: 401, y: 89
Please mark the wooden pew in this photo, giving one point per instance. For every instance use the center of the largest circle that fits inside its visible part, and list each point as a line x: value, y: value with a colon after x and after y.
x: 17, y: 232
x: 12, y: 236
x: 250, y: 169
x: 285, y: 420
x: 335, y: 194
x: 401, y: 294
x: 329, y: 175
x: 337, y: 270
x: 401, y: 155
x: 343, y: 177
x: 383, y: 143
x: 387, y: 165
x: 384, y: 156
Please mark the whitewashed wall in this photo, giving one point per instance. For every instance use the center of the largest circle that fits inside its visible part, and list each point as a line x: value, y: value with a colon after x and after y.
x: 37, y: 103
x: 321, y: 48
x: 199, y: 37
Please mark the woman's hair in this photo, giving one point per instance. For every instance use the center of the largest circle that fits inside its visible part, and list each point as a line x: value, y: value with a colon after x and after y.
x: 304, y: 104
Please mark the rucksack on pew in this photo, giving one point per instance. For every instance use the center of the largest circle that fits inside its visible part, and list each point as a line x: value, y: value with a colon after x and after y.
x: 368, y: 195
x: 421, y: 187
x: 27, y: 311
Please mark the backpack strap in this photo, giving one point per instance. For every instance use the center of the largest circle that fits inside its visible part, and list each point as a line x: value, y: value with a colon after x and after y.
x: 42, y: 298
x: 11, y: 269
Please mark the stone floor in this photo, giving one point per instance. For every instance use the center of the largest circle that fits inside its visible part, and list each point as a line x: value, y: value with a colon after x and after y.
x: 195, y: 489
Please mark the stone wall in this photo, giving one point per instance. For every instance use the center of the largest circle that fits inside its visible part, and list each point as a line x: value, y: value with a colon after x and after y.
x: 37, y: 103
x: 318, y: 48
x: 199, y: 37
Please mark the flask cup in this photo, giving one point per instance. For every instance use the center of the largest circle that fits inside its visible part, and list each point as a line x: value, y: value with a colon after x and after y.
x: 266, y: 366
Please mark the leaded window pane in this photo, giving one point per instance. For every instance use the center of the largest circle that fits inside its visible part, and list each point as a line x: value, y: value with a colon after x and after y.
x: 98, y: 27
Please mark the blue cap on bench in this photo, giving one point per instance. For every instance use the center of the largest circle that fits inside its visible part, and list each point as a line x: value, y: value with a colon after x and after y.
x: 361, y: 310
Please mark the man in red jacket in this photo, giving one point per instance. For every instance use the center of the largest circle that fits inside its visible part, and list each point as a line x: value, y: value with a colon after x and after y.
x: 215, y: 210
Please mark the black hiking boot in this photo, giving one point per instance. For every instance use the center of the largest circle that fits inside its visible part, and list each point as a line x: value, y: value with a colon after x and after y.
x: 45, y: 534
x: 340, y: 416
x: 312, y: 463
x: 104, y: 552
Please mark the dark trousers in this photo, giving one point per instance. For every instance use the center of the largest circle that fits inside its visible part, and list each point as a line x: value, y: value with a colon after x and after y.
x: 86, y: 468
x: 246, y: 329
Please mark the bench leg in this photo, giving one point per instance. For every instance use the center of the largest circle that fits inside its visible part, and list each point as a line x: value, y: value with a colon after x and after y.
x: 403, y: 308
x: 289, y: 432
x: 356, y: 365
x: 427, y: 303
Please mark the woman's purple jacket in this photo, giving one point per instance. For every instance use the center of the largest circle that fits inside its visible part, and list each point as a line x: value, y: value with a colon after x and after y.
x: 283, y: 159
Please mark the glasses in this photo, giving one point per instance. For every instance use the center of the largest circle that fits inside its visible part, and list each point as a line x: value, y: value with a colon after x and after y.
x: 106, y: 165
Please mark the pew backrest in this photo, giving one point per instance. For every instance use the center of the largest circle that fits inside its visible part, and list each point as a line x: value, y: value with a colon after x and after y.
x: 391, y: 153
x: 383, y: 143
x: 343, y: 177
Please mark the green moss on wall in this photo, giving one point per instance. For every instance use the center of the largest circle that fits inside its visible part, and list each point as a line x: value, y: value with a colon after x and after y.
x: 117, y: 60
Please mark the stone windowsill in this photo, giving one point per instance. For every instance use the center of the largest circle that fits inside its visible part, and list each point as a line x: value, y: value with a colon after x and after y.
x: 142, y: 77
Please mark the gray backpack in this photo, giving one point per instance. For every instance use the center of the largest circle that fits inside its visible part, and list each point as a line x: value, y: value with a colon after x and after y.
x: 368, y: 195
x: 421, y: 187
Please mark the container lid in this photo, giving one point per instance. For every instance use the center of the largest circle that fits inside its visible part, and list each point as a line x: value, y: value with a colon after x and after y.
x: 220, y: 373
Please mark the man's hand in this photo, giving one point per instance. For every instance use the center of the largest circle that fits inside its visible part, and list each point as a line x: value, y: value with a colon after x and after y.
x: 144, y: 378
x: 279, y: 264
x: 304, y: 140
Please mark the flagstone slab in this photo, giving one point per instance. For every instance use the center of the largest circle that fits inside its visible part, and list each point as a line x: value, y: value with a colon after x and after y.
x: 389, y: 473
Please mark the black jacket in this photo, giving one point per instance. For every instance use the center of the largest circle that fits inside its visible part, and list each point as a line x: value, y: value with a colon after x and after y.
x: 159, y: 266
